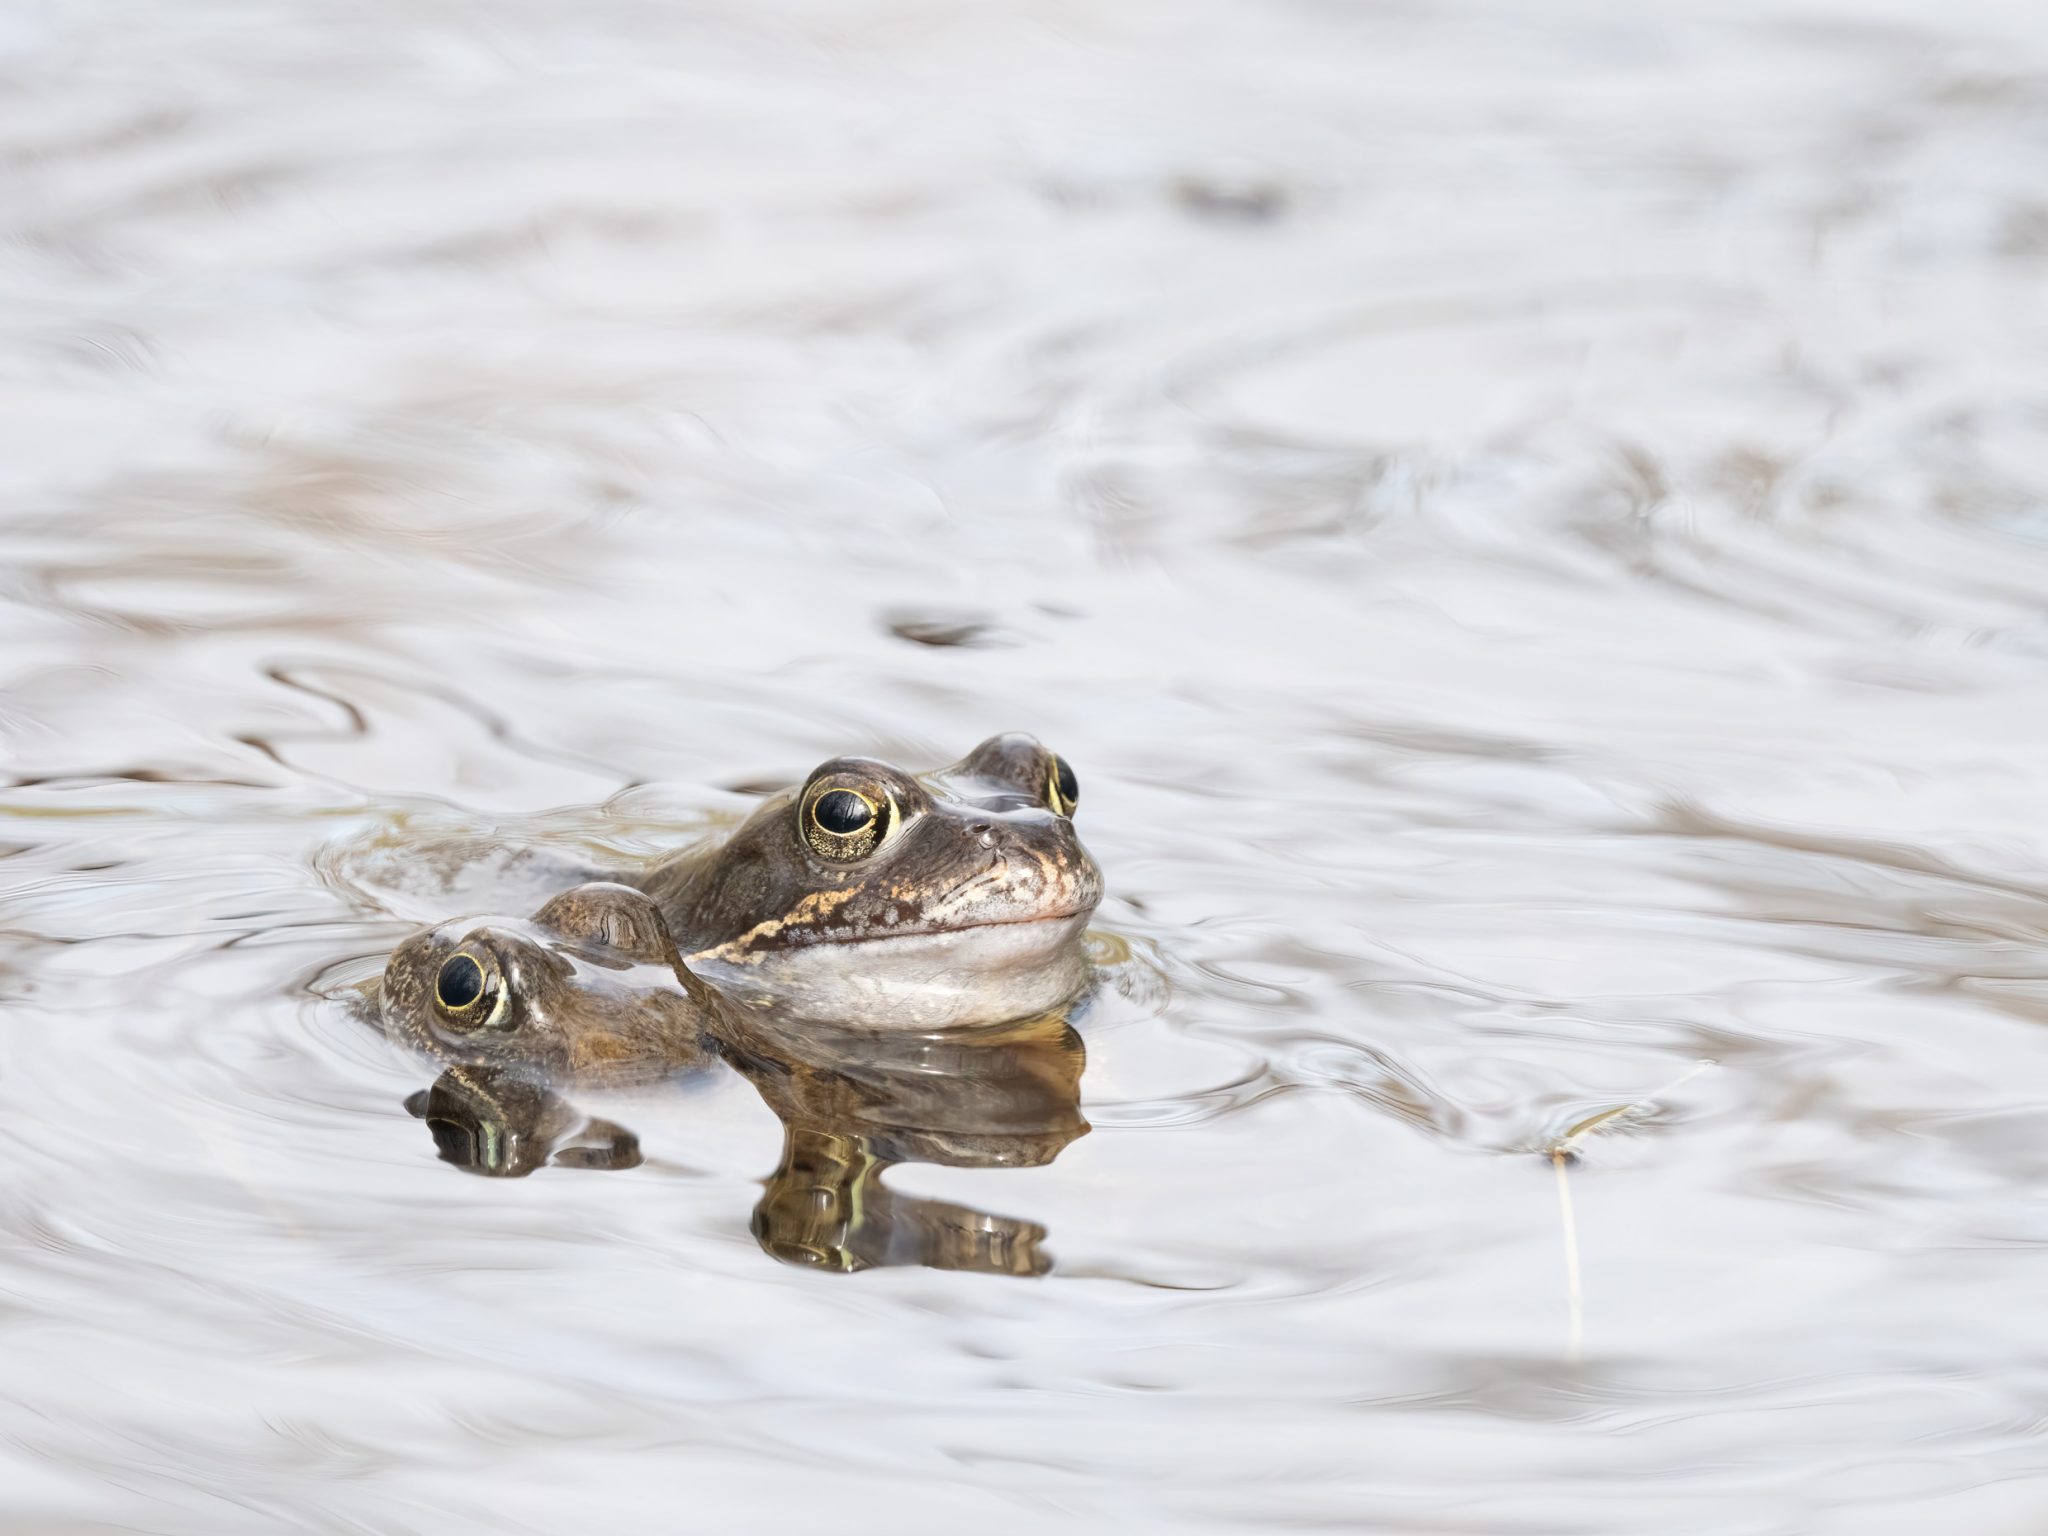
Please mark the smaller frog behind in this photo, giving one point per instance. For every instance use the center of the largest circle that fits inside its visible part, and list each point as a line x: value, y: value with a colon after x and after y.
x: 589, y: 991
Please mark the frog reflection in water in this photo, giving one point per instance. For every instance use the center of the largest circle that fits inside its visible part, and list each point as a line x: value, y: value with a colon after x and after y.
x: 852, y: 1106
x: 870, y: 896
x: 590, y: 992
x: 505, y: 1123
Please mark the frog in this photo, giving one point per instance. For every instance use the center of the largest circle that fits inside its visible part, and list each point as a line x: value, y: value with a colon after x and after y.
x: 588, y: 992
x: 872, y: 897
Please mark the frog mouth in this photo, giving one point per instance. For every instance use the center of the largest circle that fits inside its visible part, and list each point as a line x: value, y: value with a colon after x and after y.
x: 788, y: 943
x: 941, y: 930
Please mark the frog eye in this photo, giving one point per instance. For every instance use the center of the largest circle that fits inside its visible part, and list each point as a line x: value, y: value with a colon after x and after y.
x: 845, y: 824
x: 469, y: 989
x: 1062, y: 789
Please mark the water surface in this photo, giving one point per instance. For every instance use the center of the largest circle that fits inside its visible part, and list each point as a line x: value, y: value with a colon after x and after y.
x: 1532, y: 528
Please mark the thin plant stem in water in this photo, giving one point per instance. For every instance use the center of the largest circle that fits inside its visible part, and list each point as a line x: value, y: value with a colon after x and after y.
x: 1561, y: 1152
x: 1574, y: 1297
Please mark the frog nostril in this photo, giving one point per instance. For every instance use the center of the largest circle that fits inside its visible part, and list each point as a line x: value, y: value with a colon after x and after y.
x: 982, y: 832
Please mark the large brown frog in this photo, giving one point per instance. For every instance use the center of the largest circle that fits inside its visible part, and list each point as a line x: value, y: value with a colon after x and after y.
x: 871, y: 896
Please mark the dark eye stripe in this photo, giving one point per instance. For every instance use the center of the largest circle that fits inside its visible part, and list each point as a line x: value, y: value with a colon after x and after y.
x: 843, y: 812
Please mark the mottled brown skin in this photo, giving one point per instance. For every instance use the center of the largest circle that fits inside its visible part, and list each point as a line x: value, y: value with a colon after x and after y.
x: 589, y: 991
x: 970, y: 909
x: 853, y: 1105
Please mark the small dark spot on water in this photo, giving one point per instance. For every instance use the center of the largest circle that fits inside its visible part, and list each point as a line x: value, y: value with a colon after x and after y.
x: 942, y: 629
x: 1232, y: 195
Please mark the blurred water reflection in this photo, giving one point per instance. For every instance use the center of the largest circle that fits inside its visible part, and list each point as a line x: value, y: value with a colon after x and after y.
x: 1529, y: 522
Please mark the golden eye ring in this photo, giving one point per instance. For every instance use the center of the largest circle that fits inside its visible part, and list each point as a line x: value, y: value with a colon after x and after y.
x: 844, y: 824
x: 1062, y: 788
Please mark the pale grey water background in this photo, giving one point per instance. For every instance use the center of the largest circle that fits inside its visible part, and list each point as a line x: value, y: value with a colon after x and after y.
x: 1529, y: 521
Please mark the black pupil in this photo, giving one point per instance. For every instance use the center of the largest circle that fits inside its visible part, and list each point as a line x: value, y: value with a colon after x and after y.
x: 461, y: 982
x: 842, y: 811
x: 1070, y: 787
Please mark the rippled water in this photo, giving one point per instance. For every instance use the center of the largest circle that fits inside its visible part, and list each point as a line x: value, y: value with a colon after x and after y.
x: 1533, y: 527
